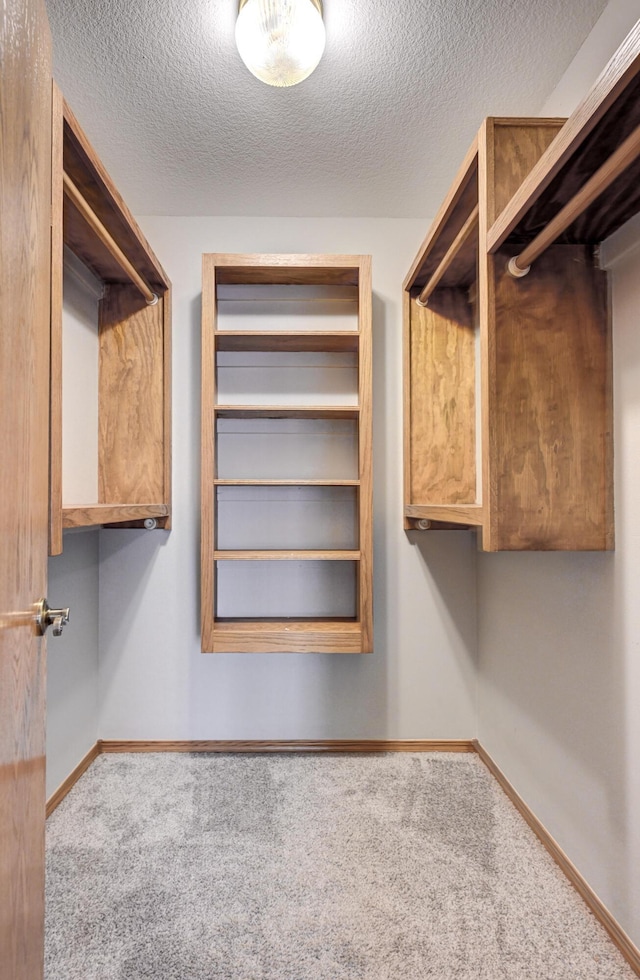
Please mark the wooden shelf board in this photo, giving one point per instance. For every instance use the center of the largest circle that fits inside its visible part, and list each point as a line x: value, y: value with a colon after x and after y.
x: 287, y: 636
x: 286, y: 483
x: 286, y: 411
x: 287, y: 340
x: 471, y: 514
x: 91, y: 515
x: 348, y: 624
x: 96, y: 186
x: 605, y: 117
x: 288, y: 269
x: 456, y: 208
x: 286, y: 556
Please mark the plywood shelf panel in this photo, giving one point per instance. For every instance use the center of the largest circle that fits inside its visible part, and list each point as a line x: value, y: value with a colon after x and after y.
x: 285, y: 483
x: 454, y: 212
x: 468, y: 514
x: 291, y: 270
x: 286, y: 556
x: 288, y: 636
x: 287, y: 340
x: 287, y: 411
x: 94, y: 515
x: 83, y: 166
x: 606, y: 116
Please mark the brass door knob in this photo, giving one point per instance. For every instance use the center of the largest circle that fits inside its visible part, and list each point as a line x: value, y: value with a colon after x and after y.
x: 45, y: 616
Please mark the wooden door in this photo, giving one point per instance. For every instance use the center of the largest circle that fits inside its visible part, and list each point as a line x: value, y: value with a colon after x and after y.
x: 25, y: 177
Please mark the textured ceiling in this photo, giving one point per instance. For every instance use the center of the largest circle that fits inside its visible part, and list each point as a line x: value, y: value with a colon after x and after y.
x: 377, y: 130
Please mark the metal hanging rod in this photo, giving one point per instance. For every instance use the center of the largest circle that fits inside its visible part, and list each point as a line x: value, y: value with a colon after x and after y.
x: 624, y: 156
x: 107, y: 240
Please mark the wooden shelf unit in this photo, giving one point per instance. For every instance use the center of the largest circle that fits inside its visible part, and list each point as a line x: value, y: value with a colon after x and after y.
x: 318, y: 273
x: 134, y: 339
x: 508, y: 413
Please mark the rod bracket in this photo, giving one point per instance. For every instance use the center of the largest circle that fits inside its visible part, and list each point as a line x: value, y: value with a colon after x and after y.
x: 514, y: 269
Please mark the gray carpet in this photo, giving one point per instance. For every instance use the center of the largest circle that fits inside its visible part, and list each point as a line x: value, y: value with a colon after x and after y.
x: 245, y: 867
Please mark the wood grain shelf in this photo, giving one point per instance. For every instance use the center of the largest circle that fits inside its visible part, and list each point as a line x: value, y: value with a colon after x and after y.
x: 468, y: 515
x: 599, y: 125
x: 456, y: 208
x: 93, y: 515
x: 286, y: 556
x: 288, y: 636
x: 335, y: 588
x: 134, y: 342
x: 287, y: 270
x: 287, y: 340
x: 287, y: 411
x: 284, y: 483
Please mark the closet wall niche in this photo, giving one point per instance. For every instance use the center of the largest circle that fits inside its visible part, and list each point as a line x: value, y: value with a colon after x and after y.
x: 110, y: 459
x: 286, y: 454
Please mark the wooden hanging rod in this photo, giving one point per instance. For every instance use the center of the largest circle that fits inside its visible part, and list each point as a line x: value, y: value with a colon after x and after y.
x: 618, y: 162
x: 107, y: 240
x: 456, y: 246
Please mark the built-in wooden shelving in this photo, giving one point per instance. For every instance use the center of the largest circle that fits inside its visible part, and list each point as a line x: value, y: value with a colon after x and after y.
x: 90, y: 218
x: 507, y: 380
x: 308, y: 288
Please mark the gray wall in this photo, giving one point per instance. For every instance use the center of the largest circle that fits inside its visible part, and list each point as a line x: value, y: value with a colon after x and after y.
x: 559, y: 634
x: 72, y: 669
x: 72, y: 674
x: 420, y: 681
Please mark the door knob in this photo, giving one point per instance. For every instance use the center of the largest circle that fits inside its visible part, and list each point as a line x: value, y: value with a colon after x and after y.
x: 46, y: 616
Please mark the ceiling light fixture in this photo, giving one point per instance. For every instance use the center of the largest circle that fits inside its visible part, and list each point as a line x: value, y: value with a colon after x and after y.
x: 280, y: 41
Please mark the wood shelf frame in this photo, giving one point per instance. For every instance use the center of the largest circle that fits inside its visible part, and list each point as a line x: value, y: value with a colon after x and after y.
x: 303, y: 635
x: 134, y: 342
x: 507, y: 396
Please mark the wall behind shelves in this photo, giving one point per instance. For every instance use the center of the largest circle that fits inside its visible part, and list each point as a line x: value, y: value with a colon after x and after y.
x: 72, y: 659
x: 559, y: 634
x: 154, y: 681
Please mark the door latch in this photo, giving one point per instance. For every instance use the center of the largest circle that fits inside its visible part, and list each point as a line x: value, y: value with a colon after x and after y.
x: 45, y: 616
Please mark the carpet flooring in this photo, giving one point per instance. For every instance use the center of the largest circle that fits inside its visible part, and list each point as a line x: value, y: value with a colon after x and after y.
x: 306, y: 867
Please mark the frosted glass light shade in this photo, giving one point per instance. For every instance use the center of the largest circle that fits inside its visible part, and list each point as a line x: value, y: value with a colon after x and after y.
x: 280, y: 41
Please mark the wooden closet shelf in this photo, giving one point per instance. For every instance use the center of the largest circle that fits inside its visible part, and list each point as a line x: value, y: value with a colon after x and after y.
x: 286, y: 556
x: 93, y: 515
x: 468, y: 514
x: 288, y: 636
x: 85, y: 169
x: 286, y: 483
x: 289, y: 270
x: 458, y: 265
x: 287, y: 340
x: 456, y: 209
x: 595, y: 130
x: 286, y: 411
